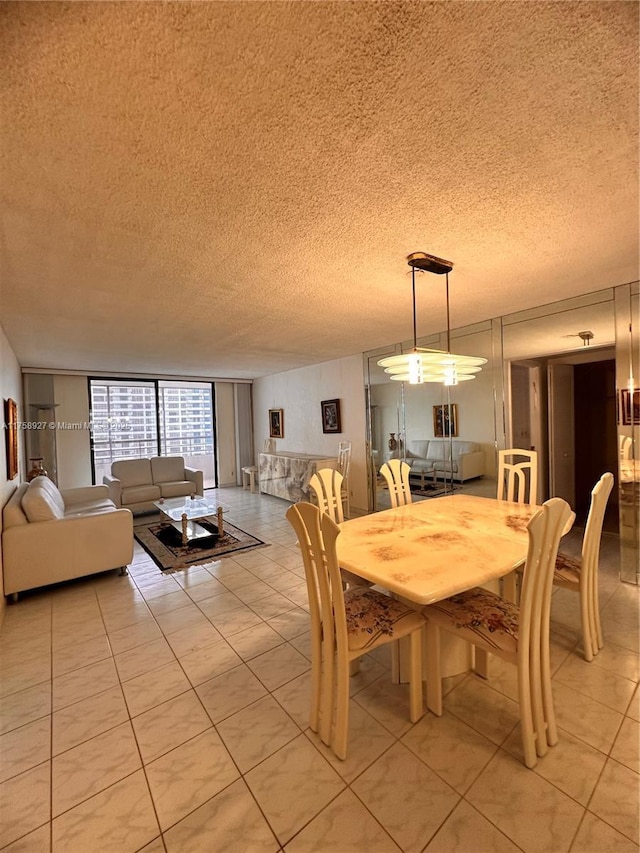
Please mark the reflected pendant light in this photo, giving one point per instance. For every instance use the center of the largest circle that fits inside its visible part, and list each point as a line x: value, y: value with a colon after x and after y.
x: 431, y: 365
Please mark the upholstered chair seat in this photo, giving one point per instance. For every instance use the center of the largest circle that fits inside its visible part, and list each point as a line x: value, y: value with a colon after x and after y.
x: 567, y: 570
x: 479, y: 615
x: 373, y: 617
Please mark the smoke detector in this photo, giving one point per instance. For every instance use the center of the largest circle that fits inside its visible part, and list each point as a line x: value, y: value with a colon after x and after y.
x: 586, y: 337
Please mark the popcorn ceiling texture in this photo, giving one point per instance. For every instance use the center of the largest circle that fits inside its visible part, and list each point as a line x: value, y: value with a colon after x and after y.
x: 230, y: 189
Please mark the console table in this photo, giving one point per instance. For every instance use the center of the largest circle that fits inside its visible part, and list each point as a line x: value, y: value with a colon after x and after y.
x: 287, y: 474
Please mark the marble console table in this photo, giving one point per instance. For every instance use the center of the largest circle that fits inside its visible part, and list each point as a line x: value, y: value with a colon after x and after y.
x: 287, y: 474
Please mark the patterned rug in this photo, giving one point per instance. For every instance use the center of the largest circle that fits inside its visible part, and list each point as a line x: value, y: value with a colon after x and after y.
x: 164, y: 544
x: 434, y: 490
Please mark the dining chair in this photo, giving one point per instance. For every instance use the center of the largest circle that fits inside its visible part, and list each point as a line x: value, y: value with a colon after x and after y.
x: 344, y: 464
x: 518, y: 480
x: 396, y: 474
x: 581, y: 574
x: 625, y: 447
x: 517, y: 633
x: 345, y: 626
x: 326, y: 485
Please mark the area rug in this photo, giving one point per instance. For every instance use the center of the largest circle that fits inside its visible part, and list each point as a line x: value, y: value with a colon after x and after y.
x: 434, y: 490
x: 163, y: 543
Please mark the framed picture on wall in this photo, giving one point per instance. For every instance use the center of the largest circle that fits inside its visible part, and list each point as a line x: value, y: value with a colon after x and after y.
x: 630, y: 405
x: 11, y: 437
x: 445, y: 421
x: 276, y: 423
x: 331, y: 416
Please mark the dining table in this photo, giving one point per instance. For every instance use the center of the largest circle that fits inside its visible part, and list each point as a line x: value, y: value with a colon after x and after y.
x: 429, y: 550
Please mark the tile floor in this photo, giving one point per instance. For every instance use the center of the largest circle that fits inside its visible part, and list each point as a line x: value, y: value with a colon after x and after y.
x: 169, y: 713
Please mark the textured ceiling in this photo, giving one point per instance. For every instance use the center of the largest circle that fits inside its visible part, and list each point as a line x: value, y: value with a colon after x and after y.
x: 230, y: 189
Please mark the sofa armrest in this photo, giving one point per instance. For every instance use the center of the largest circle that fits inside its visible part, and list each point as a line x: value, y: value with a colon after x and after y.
x: 84, y: 494
x: 114, y: 487
x: 470, y: 465
x: 196, y: 477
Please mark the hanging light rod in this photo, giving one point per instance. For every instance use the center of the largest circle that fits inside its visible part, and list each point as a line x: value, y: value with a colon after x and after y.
x: 430, y: 365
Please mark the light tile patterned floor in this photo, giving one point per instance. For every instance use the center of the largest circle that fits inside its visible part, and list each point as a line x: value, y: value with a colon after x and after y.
x: 169, y: 713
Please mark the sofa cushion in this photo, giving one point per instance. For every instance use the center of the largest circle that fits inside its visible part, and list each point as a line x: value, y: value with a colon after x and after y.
x: 447, y: 465
x: 439, y: 450
x: 178, y: 489
x: 167, y: 469
x: 419, y: 448
x: 421, y: 465
x: 40, y: 504
x: 53, y: 491
x: 140, y: 494
x: 89, y: 507
x: 95, y: 510
x: 132, y: 472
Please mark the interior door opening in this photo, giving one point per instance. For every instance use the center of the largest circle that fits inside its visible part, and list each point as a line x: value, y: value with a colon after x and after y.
x: 566, y: 410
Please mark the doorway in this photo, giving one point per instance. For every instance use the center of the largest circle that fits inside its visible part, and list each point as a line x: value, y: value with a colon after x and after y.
x: 565, y: 408
x: 596, y: 440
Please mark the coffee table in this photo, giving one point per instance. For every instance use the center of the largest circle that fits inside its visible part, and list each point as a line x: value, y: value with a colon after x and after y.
x: 183, y: 514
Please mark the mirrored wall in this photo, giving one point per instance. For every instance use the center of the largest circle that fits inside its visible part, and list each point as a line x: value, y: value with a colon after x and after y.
x: 562, y: 379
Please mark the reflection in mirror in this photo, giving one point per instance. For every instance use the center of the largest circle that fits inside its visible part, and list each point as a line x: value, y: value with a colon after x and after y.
x: 627, y: 315
x: 560, y: 395
x: 447, y: 434
x: 553, y: 383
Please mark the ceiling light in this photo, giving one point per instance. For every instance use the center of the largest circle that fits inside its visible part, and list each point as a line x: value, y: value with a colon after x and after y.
x: 431, y: 365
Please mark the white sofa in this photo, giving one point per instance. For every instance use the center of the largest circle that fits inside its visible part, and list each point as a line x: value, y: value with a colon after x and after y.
x: 137, y: 483
x: 445, y: 458
x: 50, y: 536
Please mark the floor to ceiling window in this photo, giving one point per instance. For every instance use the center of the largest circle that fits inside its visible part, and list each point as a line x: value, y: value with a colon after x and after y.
x: 143, y: 418
x: 186, y: 425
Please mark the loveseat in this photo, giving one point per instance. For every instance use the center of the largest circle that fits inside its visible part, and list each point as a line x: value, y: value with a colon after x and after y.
x: 445, y: 459
x: 50, y: 536
x: 137, y: 483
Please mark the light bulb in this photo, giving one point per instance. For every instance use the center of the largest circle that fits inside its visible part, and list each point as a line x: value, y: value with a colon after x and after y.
x: 415, y: 369
x: 450, y: 376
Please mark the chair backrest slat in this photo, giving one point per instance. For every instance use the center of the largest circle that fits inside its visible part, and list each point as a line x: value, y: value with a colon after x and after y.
x: 593, y: 528
x: 545, y: 530
x: 396, y: 474
x: 344, y: 458
x: 317, y: 534
x: 518, y: 480
x: 326, y: 485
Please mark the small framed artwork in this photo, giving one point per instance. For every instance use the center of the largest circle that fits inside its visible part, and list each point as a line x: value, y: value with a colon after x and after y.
x: 445, y: 421
x: 11, y: 437
x: 630, y: 405
x: 331, y: 416
x: 276, y: 423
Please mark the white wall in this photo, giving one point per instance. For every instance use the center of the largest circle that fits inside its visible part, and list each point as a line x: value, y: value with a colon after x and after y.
x: 10, y: 386
x: 73, y: 446
x: 299, y: 393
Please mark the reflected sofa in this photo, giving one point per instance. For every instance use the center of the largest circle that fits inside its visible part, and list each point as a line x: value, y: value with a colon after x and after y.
x: 440, y: 458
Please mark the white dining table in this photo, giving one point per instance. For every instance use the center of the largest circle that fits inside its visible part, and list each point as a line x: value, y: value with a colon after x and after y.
x: 428, y: 550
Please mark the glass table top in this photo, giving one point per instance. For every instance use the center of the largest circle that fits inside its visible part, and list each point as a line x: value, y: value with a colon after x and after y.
x: 193, y: 508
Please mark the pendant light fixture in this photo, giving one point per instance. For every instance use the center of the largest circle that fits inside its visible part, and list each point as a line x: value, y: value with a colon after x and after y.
x: 431, y: 365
